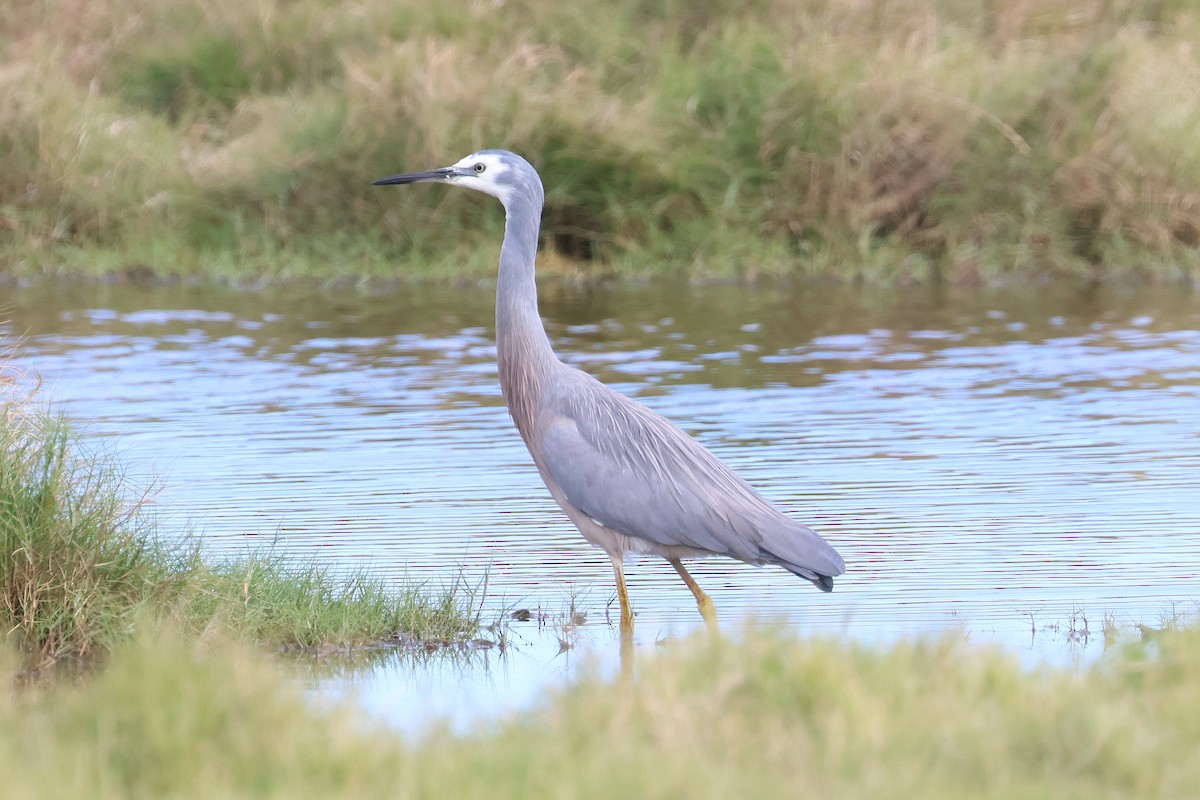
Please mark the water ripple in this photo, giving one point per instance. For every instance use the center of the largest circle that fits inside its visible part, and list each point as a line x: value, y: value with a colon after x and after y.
x: 974, y: 461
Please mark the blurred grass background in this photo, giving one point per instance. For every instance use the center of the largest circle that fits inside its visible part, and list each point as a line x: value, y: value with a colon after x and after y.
x: 879, y: 139
x: 763, y: 714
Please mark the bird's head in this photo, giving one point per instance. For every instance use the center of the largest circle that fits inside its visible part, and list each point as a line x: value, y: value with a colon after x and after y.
x: 499, y: 173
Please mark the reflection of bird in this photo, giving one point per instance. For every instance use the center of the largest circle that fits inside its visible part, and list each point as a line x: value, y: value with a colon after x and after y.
x: 629, y: 479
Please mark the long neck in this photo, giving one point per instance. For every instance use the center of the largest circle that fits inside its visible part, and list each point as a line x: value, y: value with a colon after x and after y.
x: 522, y: 347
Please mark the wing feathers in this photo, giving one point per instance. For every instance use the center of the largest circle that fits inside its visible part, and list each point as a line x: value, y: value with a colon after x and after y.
x: 637, y: 473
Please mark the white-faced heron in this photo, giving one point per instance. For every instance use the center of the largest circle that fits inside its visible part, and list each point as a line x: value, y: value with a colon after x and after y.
x: 629, y: 479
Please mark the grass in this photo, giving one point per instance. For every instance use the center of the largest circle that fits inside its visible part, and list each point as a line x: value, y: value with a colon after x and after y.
x: 764, y: 713
x: 886, y: 140
x: 310, y: 606
x: 82, y: 562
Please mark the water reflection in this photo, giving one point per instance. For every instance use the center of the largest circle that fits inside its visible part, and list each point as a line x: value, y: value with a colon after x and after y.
x: 974, y: 456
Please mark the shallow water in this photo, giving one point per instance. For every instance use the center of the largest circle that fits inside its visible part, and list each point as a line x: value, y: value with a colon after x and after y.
x: 989, y: 460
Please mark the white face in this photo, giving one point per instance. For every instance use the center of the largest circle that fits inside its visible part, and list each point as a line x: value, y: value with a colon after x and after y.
x: 482, y: 171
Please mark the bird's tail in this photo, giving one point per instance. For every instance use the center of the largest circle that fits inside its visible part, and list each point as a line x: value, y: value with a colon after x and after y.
x: 800, y: 550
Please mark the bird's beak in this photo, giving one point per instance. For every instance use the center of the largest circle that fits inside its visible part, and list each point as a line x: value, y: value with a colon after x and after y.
x: 441, y: 174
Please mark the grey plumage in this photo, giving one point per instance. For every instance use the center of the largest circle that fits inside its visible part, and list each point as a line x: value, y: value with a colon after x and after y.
x: 627, y: 477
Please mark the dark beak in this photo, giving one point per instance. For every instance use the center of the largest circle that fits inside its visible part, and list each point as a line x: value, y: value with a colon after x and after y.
x: 439, y: 174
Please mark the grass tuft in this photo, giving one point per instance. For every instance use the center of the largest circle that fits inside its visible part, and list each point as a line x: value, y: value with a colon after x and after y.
x: 273, y: 599
x: 78, y: 555
x: 81, y: 561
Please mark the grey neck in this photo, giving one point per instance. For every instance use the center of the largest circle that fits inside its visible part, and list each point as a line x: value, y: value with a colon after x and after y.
x: 522, y: 347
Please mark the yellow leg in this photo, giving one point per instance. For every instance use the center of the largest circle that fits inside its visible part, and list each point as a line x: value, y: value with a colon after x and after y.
x: 626, y: 618
x: 623, y: 595
x: 707, y: 609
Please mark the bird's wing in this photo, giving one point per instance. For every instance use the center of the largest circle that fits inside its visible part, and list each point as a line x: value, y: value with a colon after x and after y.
x: 635, y: 472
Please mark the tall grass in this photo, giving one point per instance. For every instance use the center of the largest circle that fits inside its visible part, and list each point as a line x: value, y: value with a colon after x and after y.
x: 81, y: 561
x: 887, y: 139
x: 76, y: 556
x: 764, y: 714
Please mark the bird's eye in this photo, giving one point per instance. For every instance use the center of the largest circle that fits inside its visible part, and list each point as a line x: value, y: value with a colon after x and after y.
x: 480, y: 167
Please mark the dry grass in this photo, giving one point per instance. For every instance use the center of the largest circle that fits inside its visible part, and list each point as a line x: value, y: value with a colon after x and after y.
x: 883, y: 139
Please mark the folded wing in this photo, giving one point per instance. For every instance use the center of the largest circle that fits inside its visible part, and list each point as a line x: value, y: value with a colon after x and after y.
x: 634, y: 471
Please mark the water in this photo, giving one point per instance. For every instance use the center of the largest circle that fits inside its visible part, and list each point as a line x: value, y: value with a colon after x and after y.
x: 990, y: 460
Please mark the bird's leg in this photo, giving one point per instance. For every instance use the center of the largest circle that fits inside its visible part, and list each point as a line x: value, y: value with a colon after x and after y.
x: 623, y: 594
x: 707, y: 609
x: 618, y: 562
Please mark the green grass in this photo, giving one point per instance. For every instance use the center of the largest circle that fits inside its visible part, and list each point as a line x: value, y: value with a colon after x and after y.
x: 887, y: 140
x: 82, y: 561
x: 271, y: 599
x: 763, y: 714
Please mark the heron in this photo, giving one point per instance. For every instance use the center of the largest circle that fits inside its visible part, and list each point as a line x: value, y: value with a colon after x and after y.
x: 628, y: 478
